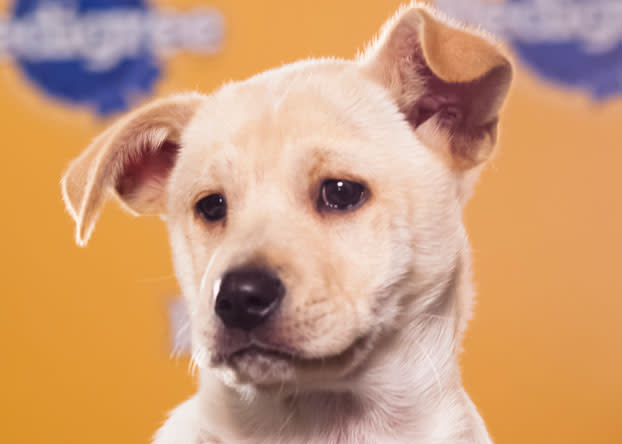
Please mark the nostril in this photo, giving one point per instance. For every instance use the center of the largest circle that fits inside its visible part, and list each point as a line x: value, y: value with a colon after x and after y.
x: 255, y: 303
x: 223, y: 305
x: 258, y: 305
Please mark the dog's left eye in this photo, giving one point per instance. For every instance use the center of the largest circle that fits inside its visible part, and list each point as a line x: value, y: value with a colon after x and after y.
x: 338, y: 194
x: 212, y: 207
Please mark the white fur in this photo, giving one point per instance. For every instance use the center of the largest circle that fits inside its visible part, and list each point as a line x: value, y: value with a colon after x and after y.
x: 377, y: 298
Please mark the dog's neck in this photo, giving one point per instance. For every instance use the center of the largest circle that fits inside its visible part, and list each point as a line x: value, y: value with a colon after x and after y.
x: 410, y: 391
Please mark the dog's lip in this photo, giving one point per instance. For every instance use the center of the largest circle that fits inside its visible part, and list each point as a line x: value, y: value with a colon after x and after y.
x: 254, y: 347
x: 281, y: 353
x: 257, y: 349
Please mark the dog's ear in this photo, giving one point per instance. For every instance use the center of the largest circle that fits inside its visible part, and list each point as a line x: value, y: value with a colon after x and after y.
x: 131, y: 159
x: 448, y: 81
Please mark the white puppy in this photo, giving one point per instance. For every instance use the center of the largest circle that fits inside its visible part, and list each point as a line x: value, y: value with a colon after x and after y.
x: 315, y: 219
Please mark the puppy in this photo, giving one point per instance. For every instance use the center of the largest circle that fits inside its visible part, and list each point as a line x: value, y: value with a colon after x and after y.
x: 314, y: 214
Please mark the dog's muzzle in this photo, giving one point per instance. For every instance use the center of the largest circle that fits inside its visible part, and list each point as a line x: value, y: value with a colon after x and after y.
x: 247, y: 297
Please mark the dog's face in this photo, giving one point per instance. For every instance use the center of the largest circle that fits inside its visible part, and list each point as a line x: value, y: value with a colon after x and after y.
x: 305, y: 186
x: 309, y: 207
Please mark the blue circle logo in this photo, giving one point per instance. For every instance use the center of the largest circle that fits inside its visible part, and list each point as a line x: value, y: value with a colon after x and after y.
x: 101, y: 53
x: 574, y: 43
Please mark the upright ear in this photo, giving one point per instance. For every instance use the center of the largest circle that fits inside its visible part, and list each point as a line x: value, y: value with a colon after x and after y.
x: 448, y: 81
x: 131, y: 159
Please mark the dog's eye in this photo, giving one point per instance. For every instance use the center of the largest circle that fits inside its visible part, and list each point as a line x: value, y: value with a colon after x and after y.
x: 337, y: 194
x: 212, y: 207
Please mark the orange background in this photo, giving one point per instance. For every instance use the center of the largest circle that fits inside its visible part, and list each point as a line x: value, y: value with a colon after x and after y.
x: 85, y: 337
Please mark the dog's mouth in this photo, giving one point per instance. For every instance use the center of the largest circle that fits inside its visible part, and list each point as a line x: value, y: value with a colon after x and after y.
x: 255, y: 351
x: 267, y: 365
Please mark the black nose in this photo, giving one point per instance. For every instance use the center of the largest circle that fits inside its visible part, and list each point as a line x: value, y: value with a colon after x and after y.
x: 247, y: 297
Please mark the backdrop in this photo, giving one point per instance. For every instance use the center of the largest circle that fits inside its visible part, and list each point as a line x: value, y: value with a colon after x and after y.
x: 86, y: 335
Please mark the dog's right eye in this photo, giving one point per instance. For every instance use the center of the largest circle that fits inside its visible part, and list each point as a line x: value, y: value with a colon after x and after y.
x: 212, y: 207
x: 342, y: 195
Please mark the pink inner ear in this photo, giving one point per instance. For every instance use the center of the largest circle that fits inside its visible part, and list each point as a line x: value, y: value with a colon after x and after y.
x: 447, y: 104
x: 150, y: 168
x: 460, y: 106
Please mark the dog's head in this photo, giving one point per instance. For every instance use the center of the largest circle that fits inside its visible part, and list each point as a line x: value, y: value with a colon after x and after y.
x: 309, y: 206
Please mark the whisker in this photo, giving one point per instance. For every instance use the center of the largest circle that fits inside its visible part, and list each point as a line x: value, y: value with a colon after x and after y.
x: 437, y: 376
x: 207, y: 269
x: 178, y: 344
x: 439, y: 317
x: 196, y: 360
x: 287, y: 420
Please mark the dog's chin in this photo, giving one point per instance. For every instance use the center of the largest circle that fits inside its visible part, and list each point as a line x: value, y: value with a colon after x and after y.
x: 270, y: 368
x: 262, y: 367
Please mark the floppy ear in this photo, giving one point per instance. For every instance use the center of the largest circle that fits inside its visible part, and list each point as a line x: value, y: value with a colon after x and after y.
x: 131, y: 159
x: 448, y: 81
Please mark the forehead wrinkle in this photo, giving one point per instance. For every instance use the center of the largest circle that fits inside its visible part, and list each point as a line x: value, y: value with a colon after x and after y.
x: 261, y: 141
x: 209, y: 168
x: 284, y: 125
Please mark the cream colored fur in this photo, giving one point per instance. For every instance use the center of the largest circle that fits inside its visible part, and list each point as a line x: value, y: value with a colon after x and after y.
x: 378, y: 297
